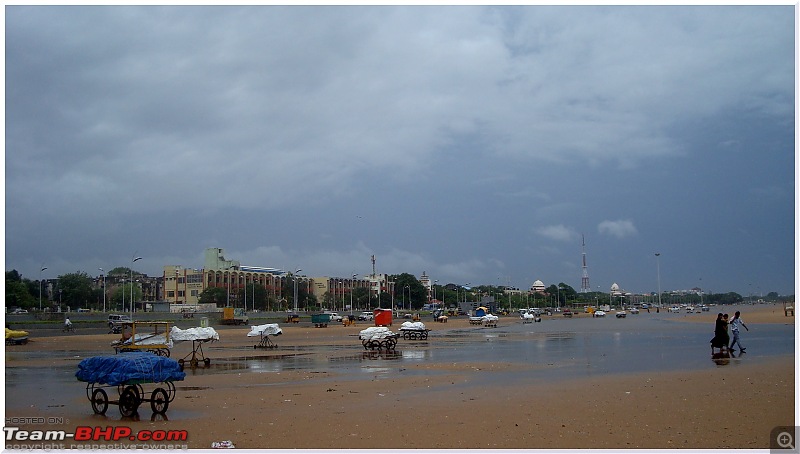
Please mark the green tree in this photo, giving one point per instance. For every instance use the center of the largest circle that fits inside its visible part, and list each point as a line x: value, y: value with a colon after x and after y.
x: 18, y: 291
x: 75, y: 290
x: 213, y: 295
x: 416, y: 295
x: 361, y: 297
x: 123, y: 293
x: 304, y: 298
x: 255, y: 295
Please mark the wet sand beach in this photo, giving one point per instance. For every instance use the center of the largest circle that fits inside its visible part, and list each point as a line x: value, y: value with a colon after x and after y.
x: 465, y: 387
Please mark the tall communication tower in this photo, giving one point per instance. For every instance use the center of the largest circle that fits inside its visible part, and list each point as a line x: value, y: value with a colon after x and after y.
x: 585, y: 278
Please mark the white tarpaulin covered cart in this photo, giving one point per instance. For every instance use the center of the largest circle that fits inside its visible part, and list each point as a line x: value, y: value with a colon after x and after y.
x: 378, y: 338
x: 414, y: 330
x: 198, y: 336
x: 264, y: 331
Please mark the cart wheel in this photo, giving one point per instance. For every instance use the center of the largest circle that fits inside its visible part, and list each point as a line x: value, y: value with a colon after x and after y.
x: 390, y: 343
x: 99, y: 401
x: 159, y: 401
x: 129, y: 401
x: 207, y: 361
x: 180, y: 362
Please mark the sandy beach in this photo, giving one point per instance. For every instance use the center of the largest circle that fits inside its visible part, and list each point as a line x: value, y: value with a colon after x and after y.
x: 438, y: 405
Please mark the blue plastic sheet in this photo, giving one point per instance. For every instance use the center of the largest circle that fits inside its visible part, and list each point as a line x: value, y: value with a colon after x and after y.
x: 129, y: 368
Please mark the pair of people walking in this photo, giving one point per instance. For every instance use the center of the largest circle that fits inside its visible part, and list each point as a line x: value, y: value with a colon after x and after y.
x: 721, y: 338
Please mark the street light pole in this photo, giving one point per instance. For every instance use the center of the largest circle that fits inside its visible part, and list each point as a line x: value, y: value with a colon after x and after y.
x: 295, y: 288
x: 352, y: 284
x: 103, y: 274
x: 134, y: 260
x: 658, y: 274
x: 228, y: 298
x: 40, y: 287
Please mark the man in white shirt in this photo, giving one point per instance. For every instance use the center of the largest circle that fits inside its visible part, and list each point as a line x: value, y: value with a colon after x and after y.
x: 735, y: 322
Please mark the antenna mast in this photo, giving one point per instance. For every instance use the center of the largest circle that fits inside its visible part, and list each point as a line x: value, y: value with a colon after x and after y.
x: 585, y: 278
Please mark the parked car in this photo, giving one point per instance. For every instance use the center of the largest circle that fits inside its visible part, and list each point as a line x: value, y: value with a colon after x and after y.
x: 115, y: 322
x: 335, y: 317
x: 366, y: 315
x: 20, y: 311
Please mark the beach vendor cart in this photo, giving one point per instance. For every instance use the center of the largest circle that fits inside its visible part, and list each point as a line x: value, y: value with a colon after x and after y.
x: 414, y: 330
x: 264, y: 331
x: 378, y: 338
x: 148, y: 336
x: 198, y: 337
x: 129, y: 373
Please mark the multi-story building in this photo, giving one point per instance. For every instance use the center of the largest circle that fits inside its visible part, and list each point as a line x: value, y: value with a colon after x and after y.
x: 336, y: 293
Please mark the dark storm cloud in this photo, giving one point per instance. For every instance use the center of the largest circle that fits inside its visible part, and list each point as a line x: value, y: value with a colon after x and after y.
x: 274, y: 131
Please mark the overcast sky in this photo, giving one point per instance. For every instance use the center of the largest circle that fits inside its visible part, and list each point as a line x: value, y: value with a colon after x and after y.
x: 477, y: 144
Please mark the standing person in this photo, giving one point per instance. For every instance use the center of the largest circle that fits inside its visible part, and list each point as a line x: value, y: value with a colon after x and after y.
x: 720, y: 334
x: 726, y: 337
x: 735, y: 322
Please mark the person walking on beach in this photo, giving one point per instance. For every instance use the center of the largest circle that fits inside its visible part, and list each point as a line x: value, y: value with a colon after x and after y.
x: 735, y: 322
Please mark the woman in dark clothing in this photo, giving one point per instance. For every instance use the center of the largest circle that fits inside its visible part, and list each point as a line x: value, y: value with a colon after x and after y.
x: 720, y: 339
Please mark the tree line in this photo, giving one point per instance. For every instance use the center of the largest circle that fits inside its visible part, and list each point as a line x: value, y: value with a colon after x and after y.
x: 79, y: 290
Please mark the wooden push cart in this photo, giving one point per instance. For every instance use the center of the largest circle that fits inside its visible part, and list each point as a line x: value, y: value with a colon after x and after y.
x: 148, y: 336
x: 378, y: 338
x: 131, y: 396
x: 128, y: 374
x: 413, y: 334
x: 414, y: 330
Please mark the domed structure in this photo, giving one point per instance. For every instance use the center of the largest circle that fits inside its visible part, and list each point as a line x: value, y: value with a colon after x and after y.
x: 615, y: 289
x: 538, y: 286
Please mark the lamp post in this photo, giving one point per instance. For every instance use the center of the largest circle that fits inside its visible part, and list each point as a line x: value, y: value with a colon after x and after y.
x: 103, y: 274
x: 40, y: 287
x: 295, y: 288
x: 434, y: 289
x: 352, y: 284
x: 343, y: 282
x: 228, y: 298
x: 133, y: 260
x: 658, y: 275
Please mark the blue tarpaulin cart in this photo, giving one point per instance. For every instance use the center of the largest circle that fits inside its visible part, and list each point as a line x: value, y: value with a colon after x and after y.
x: 128, y: 372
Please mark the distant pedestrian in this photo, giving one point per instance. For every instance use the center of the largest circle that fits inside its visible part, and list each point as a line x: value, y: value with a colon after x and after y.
x: 735, y: 322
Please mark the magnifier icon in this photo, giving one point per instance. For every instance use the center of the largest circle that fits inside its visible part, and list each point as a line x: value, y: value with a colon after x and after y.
x: 785, y: 440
